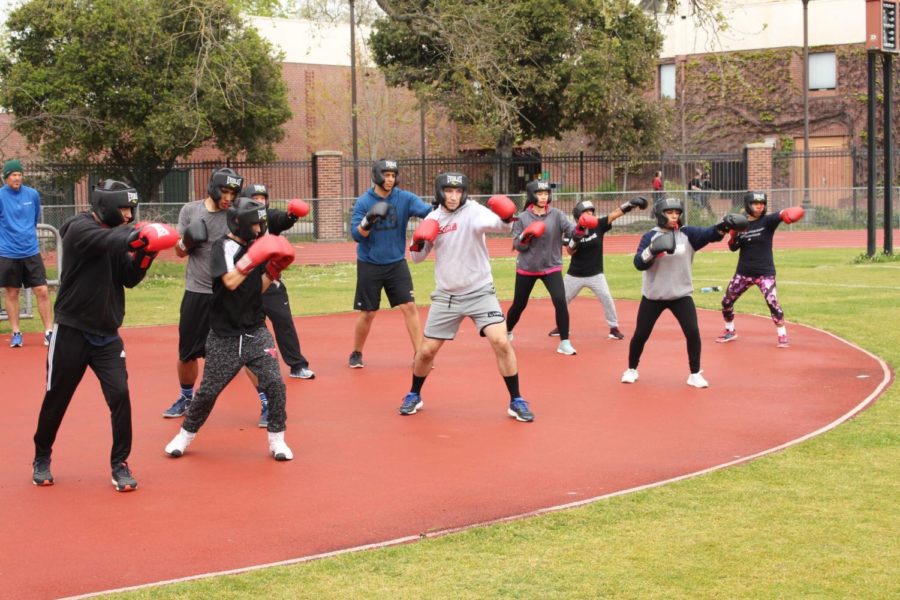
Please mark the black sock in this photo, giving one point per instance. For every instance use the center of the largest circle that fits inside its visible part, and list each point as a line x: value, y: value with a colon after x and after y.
x: 417, y: 384
x: 512, y: 384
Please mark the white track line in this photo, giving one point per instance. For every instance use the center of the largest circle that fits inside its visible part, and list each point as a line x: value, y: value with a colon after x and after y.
x: 886, y: 379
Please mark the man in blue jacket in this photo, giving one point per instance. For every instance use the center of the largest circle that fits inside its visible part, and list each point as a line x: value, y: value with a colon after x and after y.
x: 379, y: 222
x: 21, y: 264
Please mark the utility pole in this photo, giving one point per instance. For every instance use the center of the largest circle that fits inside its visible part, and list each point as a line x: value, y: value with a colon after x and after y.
x: 353, y: 98
x: 806, y: 200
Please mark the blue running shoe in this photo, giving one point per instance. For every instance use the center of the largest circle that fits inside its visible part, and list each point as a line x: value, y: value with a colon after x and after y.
x: 411, y: 404
x: 264, y: 415
x: 178, y: 408
x: 518, y: 408
x: 16, y: 340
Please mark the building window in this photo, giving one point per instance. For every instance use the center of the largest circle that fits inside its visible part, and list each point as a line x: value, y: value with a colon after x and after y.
x: 667, y: 81
x: 822, y: 71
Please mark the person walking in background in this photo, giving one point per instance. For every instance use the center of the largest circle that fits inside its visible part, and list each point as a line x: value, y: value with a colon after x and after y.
x: 695, y: 190
x: 378, y: 225
x: 276, y: 303
x: 21, y: 264
x: 665, y: 256
x: 586, y: 249
x: 464, y: 284
x: 756, y: 263
x: 537, y: 236
x: 657, y: 186
x: 101, y: 257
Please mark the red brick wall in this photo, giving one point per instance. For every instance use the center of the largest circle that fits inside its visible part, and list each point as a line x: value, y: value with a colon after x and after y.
x: 328, y: 186
x: 759, y: 165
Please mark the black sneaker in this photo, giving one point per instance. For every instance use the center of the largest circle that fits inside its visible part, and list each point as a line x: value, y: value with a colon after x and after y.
x: 122, y: 479
x: 41, y: 474
x: 615, y: 334
x: 355, y: 361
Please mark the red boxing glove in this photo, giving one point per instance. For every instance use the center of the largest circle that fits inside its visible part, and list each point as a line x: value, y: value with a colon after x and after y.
x: 792, y: 214
x: 265, y: 248
x: 503, y: 207
x: 588, y: 221
x: 536, y: 230
x: 153, y: 237
x: 276, y: 265
x: 298, y: 208
x: 427, y: 231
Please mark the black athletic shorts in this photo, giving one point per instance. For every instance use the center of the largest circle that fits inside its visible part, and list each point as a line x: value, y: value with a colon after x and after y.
x: 22, y: 272
x: 193, y: 326
x: 394, y: 278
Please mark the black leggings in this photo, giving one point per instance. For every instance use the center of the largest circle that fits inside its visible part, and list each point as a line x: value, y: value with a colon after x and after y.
x: 648, y: 313
x: 554, y: 284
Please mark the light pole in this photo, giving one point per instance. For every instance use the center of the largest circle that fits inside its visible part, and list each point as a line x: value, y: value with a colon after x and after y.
x: 353, y: 97
x: 806, y: 201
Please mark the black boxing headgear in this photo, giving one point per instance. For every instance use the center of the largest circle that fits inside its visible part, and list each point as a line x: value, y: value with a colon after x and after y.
x: 751, y: 197
x: 243, y: 214
x: 223, y: 178
x: 533, y: 187
x: 256, y: 189
x: 451, y: 180
x: 660, y: 208
x: 583, y: 207
x: 381, y: 167
x: 108, y: 197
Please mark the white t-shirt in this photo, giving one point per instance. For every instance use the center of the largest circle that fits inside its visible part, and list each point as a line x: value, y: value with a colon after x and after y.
x: 462, y: 263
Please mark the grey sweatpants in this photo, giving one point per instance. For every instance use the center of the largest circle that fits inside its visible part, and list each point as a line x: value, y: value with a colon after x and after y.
x: 225, y: 356
x: 597, y: 284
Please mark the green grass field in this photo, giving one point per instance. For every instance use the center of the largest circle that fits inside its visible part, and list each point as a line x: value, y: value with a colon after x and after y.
x: 820, y: 520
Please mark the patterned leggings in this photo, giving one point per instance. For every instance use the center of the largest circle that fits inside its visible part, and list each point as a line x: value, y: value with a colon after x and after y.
x: 740, y: 284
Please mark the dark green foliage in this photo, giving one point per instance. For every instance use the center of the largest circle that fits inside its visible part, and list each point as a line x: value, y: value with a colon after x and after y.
x: 138, y: 84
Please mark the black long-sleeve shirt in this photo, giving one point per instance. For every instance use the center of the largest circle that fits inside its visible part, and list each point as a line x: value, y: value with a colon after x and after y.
x: 96, y: 269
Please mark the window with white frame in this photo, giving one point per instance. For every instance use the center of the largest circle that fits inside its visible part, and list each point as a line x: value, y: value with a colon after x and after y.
x: 822, y: 71
x: 667, y: 81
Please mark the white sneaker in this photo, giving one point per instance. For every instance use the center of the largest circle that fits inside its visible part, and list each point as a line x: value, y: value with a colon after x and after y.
x: 697, y: 380
x: 180, y: 443
x: 278, y: 448
x: 565, y: 347
x: 629, y: 376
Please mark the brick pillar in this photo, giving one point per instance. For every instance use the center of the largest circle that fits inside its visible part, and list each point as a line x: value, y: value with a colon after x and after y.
x: 328, y: 189
x: 758, y: 160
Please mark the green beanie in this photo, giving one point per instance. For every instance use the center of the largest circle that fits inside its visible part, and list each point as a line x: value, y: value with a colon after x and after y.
x: 11, y: 166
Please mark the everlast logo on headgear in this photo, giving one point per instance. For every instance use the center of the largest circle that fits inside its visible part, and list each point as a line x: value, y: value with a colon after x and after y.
x: 133, y: 198
x: 454, y: 181
x: 259, y: 189
x: 759, y: 197
x: 233, y: 181
x: 262, y: 214
x: 390, y: 165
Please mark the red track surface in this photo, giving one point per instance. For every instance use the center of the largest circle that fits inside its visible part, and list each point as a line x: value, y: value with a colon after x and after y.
x: 365, y: 475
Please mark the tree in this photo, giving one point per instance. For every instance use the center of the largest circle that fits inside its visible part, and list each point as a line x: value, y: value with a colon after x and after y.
x: 137, y: 84
x: 528, y: 68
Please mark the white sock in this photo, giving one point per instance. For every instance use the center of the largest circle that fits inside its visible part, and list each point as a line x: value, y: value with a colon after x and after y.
x: 782, y: 330
x: 729, y: 326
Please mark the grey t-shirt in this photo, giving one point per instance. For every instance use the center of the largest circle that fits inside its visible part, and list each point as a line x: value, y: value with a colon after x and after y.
x: 197, y: 276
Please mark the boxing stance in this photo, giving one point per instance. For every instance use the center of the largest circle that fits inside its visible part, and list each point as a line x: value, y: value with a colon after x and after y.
x: 378, y: 225
x: 665, y: 256
x: 200, y: 224
x: 242, y: 265
x: 464, y: 285
x: 102, y: 256
x: 537, y: 236
x: 585, y: 246
x: 756, y: 264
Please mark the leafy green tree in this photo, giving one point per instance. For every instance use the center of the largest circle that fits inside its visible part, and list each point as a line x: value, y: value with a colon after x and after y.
x: 521, y: 69
x: 137, y: 84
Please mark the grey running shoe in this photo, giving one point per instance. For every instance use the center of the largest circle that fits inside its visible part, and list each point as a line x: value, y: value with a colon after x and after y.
x: 41, y: 474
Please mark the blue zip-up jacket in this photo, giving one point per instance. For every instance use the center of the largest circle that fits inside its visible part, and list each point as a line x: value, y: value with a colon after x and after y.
x: 386, y: 243
x: 20, y: 212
